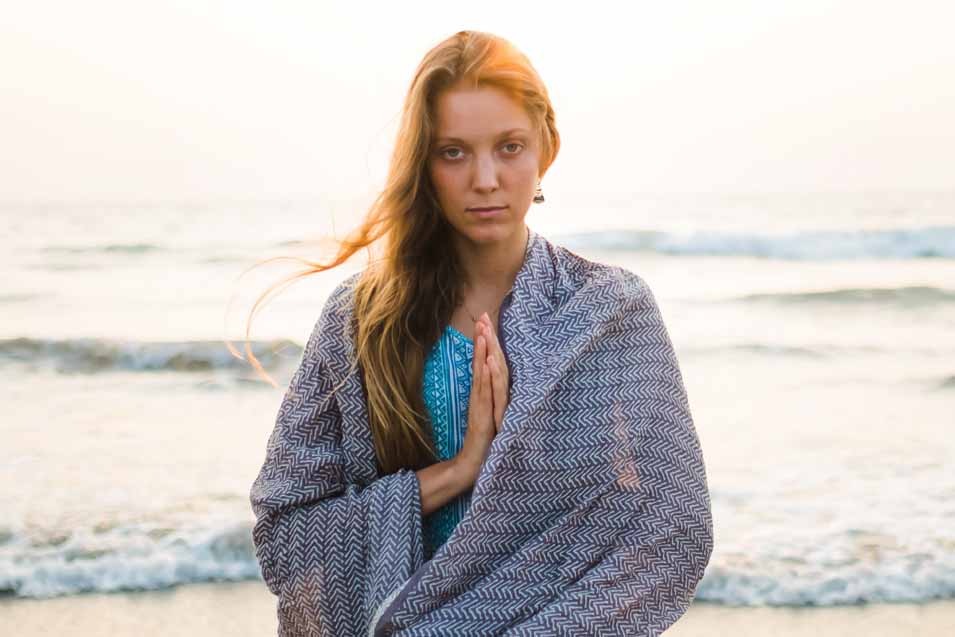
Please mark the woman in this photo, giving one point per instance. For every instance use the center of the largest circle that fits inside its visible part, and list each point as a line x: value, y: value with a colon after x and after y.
x: 487, y: 434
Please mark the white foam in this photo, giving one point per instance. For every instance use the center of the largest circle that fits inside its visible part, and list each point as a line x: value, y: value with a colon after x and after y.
x: 125, y: 557
x: 914, y: 243
x: 95, y: 354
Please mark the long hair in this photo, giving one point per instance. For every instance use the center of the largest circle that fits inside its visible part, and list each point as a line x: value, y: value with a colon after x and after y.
x: 403, y: 300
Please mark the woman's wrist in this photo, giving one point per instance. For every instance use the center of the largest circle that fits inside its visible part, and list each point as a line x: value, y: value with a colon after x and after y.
x: 465, y: 470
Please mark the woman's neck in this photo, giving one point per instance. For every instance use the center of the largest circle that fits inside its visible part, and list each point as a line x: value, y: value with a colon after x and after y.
x: 490, y: 274
x: 490, y: 268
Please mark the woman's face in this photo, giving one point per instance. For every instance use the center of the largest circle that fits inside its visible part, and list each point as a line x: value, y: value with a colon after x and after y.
x: 485, y: 154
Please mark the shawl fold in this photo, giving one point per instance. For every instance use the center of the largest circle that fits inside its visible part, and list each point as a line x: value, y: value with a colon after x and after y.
x: 590, y: 515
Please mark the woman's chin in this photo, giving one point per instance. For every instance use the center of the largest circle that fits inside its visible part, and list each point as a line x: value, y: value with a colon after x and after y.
x: 489, y: 232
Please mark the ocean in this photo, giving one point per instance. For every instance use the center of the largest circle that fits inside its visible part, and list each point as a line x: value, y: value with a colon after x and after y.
x: 815, y: 334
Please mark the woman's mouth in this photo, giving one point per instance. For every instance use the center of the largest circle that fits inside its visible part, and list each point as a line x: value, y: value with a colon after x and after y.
x: 487, y: 211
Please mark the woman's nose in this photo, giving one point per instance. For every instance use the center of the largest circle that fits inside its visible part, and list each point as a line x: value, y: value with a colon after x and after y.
x: 485, y: 174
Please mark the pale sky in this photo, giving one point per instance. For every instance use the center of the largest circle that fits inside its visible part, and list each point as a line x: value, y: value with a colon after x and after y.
x: 169, y: 101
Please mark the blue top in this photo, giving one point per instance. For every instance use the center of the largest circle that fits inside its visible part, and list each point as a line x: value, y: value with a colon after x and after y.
x: 447, y: 387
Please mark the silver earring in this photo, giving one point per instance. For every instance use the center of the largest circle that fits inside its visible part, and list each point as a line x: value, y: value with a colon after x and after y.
x: 538, y: 196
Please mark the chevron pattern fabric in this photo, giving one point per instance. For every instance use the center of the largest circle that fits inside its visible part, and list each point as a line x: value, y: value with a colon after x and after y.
x: 590, y: 516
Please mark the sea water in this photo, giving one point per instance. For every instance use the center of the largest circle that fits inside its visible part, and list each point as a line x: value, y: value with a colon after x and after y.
x: 815, y: 334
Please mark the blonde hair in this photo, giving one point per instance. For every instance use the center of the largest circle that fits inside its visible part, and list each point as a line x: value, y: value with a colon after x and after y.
x: 403, y: 300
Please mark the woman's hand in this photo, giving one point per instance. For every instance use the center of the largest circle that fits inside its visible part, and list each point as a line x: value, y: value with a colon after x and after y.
x: 481, y: 428
x: 500, y: 379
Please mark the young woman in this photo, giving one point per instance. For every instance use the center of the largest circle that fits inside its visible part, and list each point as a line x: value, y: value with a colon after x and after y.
x: 487, y: 434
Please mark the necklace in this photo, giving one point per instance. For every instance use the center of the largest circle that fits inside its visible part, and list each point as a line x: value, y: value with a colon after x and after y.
x: 471, y: 315
x: 468, y: 313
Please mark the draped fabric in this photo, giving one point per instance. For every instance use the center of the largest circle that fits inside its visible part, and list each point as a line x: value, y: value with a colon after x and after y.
x: 446, y: 389
x: 590, y: 516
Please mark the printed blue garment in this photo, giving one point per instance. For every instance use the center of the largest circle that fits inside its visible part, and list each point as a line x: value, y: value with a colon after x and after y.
x: 446, y: 389
x: 590, y: 514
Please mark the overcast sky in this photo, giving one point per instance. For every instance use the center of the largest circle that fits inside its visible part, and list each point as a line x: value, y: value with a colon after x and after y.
x: 167, y: 101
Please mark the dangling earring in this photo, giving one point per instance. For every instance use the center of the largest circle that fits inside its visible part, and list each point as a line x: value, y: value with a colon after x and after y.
x: 538, y: 196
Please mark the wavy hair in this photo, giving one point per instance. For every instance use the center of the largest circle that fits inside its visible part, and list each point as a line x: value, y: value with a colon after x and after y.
x: 403, y: 300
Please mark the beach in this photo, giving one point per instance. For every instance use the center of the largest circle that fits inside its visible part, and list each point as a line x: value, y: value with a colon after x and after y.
x: 177, y: 217
x: 247, y: 609
x: 825, y: 424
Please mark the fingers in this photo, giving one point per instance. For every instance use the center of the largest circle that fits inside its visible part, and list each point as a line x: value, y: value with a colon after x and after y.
x: 485, y: 391
x: 474, y: 361
x: 484, y: 327
x: 475, y: 370
x: 497, y: 367
x: 498, y: 390
x: 486, y: 379
x: 479, y: 363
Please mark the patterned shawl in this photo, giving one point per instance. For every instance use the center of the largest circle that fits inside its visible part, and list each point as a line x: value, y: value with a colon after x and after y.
x: 590, y: 516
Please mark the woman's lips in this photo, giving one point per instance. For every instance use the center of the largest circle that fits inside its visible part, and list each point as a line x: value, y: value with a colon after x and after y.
x: 487, y: 212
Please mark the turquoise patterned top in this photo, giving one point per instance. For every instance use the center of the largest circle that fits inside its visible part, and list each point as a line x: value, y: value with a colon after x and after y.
x: 447, y: 386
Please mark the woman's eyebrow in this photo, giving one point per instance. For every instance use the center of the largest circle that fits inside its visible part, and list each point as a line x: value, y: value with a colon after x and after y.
x: 505, y: 133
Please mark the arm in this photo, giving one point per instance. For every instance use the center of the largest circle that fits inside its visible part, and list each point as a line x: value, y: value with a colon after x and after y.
x: 644, y: 580
x: 329, y: 549
x: 443, y: 481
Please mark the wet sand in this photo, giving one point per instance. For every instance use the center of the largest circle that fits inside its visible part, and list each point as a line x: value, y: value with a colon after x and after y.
x: 248, y: 608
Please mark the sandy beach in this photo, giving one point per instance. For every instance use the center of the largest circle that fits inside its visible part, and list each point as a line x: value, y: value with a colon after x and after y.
x: 248, y: 608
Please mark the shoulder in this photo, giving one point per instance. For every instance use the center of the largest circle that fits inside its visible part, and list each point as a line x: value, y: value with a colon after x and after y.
x: 578, y: 279
x: 331, y: 331
x: 339, y: 300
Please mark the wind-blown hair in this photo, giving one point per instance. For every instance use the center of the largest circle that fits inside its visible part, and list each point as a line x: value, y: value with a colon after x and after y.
x: 403, y: 300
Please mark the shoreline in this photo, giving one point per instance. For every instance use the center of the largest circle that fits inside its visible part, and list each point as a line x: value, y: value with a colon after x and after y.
x: 248, y: 608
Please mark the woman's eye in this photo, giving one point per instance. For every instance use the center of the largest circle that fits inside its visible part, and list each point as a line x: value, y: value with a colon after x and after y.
x: 512, y: 149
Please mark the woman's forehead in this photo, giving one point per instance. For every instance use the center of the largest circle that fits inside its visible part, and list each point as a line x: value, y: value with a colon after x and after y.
x: 475, y: 114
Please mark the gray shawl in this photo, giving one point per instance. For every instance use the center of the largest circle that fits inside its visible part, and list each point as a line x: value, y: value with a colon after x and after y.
x: 590, y: 516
